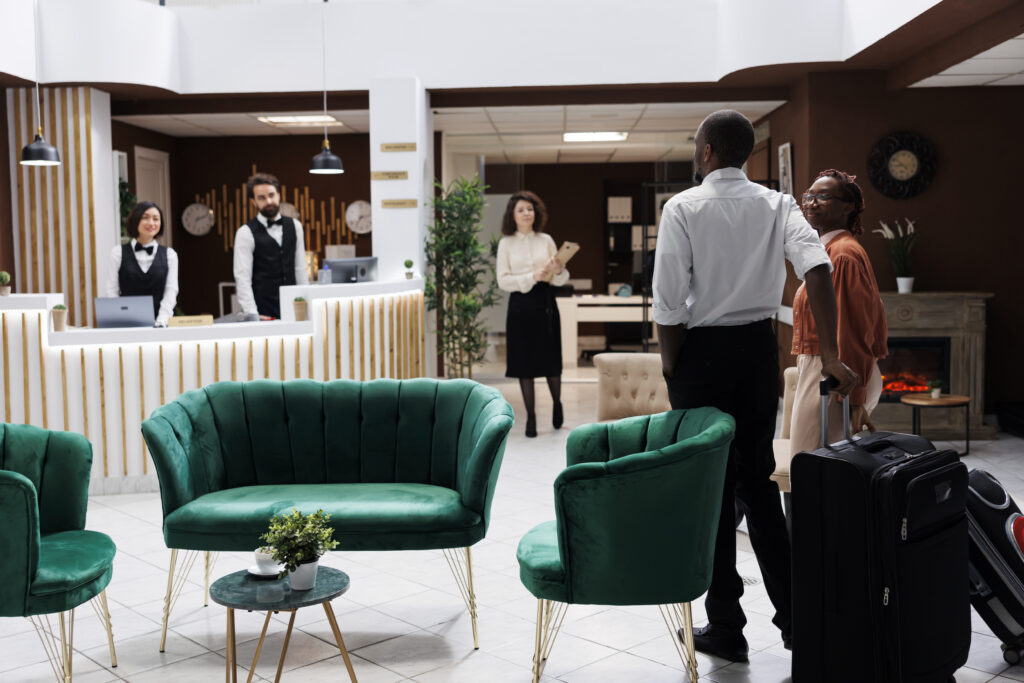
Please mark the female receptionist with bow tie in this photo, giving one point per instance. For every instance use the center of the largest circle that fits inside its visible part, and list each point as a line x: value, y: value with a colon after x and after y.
x: 144, y: 268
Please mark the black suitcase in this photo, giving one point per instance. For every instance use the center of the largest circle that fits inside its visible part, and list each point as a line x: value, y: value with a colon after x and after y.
x: 996, y: 529
x: 879, y: 535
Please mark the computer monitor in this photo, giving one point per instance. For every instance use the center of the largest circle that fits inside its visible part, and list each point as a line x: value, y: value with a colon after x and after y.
x: 124, y: 311
x: 345, y: 270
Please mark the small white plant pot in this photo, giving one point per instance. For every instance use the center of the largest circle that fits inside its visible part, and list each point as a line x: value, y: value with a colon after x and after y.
x: 60, y: 320
x: 5, y: 290
x: 408, y: 275
x: 904, y: 285
x: 304, y: 577
x: 936, y: 393
x: 301, y: 310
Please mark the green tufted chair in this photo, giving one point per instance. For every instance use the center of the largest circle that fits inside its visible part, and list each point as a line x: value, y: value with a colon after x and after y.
x: 399, y: 465
x: 636, y: 512
x: 49, y: 563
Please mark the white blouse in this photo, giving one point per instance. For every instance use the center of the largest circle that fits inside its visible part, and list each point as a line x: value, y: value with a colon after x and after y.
x: 521, y: 254
x: 170, y: 297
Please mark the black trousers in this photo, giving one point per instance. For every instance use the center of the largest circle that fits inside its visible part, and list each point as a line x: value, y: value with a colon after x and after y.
x: 736, y: 369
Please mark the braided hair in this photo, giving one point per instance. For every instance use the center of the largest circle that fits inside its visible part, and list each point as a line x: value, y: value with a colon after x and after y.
x: 849, y: 191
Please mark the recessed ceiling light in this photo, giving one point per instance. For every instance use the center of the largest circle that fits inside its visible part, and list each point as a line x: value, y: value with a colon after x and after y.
x: 596, y: 136
x: 301, y: 120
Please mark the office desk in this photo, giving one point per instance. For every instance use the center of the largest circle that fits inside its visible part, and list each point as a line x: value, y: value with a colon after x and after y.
x: 599, y: 308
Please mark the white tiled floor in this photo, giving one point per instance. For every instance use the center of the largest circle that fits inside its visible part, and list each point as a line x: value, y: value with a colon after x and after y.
x: 403, y: 618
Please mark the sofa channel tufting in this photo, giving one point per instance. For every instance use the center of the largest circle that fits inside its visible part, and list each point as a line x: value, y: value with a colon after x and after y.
x: 399, y: 465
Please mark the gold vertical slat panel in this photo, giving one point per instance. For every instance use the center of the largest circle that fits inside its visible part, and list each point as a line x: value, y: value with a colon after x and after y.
x: 392, y: 371
x: 280, y: 357
x: 234, y: 360
x: 298, y: 358
x: 216, y: 361
x: 85, y: 407
x: 69, y: 250
x: 92, y: 211
x: 42, y: 371
x: 64, y: 387
x: 351, y: 341
x: 7, y: 369
x: 54, y: 230
x: 33, y: 275
x: 326, y: 345
x: 181, y: 369
x: 124, y: 430
x: 362, y: 338
x: 199, y: 366
x: 250, y: 360
x: 337, y: 339
x: 142, y: 408
x: 401, y: 338
x: 373, y: 342
x: 309, y: 355
x: 163, y: 396
x: 421, y: 337
x: 26, y: 400
x: 383, y: 336
x: 19, y: 175
x: 76, y: 143
x: 103, y: 412
x: 45, y: 233
x: 266, y: 358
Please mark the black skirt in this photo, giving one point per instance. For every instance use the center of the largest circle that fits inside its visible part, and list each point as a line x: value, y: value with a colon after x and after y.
x: 533, y: 333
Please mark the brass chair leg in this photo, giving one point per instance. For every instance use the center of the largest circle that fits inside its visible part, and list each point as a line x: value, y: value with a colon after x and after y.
x: 99, y: 603
x: 175, y: 582
x: 464, y: 581
x: 67, y: 637
x: 206, y: 578
x: 550, y: 615
x: 167, y: 598
x: 679, y: 620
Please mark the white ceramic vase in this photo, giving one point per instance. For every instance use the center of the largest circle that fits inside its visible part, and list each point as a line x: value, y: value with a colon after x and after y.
x: 937, y: 393
x: 904, y: 285
x: 304, y: 577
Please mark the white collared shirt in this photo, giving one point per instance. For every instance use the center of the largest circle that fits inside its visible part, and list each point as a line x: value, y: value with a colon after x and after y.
x: 721, y: 245
x: 170, y: 297
x: 245, y: 244
x: 520, y: 254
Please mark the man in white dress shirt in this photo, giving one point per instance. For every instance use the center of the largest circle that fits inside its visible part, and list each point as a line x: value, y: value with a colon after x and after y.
x: 718, y: 279
x: 269, y: 251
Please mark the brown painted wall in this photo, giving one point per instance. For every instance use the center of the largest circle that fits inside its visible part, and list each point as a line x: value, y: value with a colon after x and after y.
x: 6, y: 218
x: 203, y: 164
x: 970, y: 236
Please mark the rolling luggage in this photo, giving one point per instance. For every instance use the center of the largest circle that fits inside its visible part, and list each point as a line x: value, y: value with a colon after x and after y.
x: 996, y: 530
x: 879, y: 536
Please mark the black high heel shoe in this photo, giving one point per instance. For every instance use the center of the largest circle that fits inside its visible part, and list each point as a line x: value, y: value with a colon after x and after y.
x: 531, y: 426
x: 557, y: 418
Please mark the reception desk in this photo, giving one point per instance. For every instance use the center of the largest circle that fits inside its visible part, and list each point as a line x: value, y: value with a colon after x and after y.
x: 104, y: 382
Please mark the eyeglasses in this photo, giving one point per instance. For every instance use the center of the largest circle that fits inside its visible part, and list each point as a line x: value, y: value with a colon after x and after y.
x: 821, y: 197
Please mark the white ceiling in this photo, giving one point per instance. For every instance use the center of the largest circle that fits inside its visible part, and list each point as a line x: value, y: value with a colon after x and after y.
x: 657, y: 132
x: 1001, y: 65
x: 218, y: 125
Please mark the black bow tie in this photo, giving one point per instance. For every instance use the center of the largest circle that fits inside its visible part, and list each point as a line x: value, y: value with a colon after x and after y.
x: 148, y: 250
x: 279, y: 221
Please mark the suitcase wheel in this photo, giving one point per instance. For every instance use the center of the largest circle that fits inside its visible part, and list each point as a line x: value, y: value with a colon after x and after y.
x: 1012, y: 655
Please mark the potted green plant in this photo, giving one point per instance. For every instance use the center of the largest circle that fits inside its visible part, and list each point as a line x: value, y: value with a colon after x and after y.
x: 298, y: 541
x: 301, y: 308
x: 5, y: 283
x: 936, y: 388
x: 408, y: 269
x: 59, y: 313
x: 901, y: 241
x: 459, y: 264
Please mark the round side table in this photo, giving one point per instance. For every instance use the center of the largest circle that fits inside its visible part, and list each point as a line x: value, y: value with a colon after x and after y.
x: 241, y: 590
x: 918, y: 401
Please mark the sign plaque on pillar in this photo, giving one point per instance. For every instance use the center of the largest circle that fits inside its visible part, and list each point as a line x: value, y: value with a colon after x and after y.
x: 389, y: 175
x: 399, y: 203
x: 398, y: 146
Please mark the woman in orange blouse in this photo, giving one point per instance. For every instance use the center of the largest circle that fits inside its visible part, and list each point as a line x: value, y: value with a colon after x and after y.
x: 832, y: 205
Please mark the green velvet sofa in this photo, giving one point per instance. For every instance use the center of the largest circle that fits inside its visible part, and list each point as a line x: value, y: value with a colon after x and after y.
x: 636, y: 513
x: 399, y: 465
x: 49, y: 562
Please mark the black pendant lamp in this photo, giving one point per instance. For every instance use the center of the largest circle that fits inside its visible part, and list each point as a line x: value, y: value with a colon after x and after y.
x: 39, y: 152
x: 326, y: 162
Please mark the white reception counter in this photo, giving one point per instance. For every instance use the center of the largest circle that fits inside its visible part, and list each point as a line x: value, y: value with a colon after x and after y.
x: 104, y: 382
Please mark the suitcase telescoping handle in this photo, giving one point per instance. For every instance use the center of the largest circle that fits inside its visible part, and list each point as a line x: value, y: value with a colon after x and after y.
x: 824, y: 387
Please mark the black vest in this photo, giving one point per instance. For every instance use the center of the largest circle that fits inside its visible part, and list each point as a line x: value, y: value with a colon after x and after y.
x: 133, y: 282
x: 273, y: 265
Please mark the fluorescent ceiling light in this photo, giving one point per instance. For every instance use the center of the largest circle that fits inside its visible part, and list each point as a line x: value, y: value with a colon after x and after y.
x: 302, y: 120
x: 597, y: 136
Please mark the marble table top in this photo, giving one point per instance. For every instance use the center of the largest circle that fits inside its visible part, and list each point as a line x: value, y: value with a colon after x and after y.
x: 242, y: 590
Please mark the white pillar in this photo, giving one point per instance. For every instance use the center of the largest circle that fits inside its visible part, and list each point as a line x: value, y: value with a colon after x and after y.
x: 400, y: 115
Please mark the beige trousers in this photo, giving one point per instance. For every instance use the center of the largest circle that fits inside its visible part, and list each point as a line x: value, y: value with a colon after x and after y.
x: 805, y: 428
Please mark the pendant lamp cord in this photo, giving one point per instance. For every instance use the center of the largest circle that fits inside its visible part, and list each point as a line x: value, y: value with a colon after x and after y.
x: 323, y: 53
x: 35, y: 35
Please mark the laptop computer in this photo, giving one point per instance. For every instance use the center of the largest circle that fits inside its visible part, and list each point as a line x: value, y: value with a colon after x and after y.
x: 124, y: 311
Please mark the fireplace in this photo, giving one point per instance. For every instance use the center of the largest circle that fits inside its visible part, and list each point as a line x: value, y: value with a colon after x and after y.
x: 912, y: 363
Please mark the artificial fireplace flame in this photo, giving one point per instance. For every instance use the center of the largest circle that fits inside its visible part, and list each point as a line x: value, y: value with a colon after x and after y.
x: 904, y: 384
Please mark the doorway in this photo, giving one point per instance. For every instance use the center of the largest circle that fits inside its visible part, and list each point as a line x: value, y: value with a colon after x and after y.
x: 153, y: 184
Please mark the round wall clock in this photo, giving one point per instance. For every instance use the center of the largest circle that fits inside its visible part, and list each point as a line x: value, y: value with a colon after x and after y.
x: 197, y: 219
x: 901, y: 165
x: 357, y: 217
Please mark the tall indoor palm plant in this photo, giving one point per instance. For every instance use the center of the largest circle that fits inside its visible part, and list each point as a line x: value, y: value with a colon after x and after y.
x: 458, y: 264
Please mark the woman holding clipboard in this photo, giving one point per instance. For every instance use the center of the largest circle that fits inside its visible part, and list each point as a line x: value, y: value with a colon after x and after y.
x: 529, y: 267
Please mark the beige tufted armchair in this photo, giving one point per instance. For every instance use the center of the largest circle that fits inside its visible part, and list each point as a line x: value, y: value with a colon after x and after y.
x: 630, y: 384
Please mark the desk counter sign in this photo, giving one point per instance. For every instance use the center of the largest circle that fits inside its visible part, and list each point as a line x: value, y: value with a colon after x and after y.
x: 399, y: 203
x: 398, y: 146
x: 190, y: 321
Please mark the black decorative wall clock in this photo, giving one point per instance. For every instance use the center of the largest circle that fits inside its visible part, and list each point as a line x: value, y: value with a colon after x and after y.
x: 901, y: 165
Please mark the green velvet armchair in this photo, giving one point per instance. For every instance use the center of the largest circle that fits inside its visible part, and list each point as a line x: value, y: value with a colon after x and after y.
x: 636, y: 512
x: 49, y: 563
x: 399, y: 465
